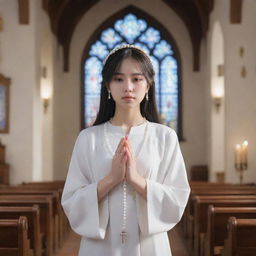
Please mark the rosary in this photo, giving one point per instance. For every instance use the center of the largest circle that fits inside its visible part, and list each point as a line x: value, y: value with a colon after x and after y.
x: 123, y: 233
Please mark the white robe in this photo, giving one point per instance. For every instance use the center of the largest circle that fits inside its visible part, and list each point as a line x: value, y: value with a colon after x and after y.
x: 161, y: 163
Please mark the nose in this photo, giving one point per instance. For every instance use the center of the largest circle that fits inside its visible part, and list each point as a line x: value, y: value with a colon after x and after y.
x: 128, y: 85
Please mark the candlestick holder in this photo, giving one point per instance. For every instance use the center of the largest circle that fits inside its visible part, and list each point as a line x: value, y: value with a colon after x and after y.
x: 241, y: 167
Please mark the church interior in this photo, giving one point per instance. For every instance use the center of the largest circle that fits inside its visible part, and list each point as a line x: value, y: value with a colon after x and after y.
x: 204, y: 55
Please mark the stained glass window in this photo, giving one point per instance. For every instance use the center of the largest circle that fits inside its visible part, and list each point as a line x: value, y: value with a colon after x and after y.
x: 133, y: 30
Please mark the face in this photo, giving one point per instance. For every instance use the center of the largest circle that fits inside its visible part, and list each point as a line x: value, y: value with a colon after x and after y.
x: 128, y: 86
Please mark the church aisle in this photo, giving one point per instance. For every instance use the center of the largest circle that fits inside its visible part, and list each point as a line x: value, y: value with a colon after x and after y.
x: 71, y: 244
x: 177, y: 242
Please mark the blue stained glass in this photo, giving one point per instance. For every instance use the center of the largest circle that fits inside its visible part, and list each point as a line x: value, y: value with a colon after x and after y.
x: 91, y: 108
x: 143, y: 47
x: 150, y: 37
x: 130, y: 27
x: 136, y: 31
x: 99, y: 49
x: 110, y: 37
x: 169, y: 109
x: 156, y: 69
x: 93, y: 77
x: 162, y: 49
x: 169, y: 75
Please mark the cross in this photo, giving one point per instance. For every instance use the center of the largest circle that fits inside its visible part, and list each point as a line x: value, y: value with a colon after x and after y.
x: 123, y: 235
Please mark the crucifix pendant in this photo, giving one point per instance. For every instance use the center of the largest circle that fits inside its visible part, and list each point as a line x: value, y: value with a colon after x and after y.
x: 123, y: 235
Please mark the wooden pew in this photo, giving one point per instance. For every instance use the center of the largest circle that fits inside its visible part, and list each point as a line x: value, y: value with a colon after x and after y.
x: 208, y: 188
x: 57, y: 211
x: 32, y: 214
x: 217, y: 226
x: 241, y: 238
x: 51, y: 185
x: 46, y: 214
x: 194, y: 184
x: 201, y: 204
x: 188, y: 217
x: 59, y: 183
x: 187, y: 221
x: 14, y: 237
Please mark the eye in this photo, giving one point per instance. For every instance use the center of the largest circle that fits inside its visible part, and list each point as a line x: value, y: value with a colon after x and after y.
x: 138, y: 79
x: 118, y: 79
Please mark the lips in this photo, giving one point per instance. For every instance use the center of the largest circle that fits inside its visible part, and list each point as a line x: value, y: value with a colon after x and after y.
x: 128, y: 97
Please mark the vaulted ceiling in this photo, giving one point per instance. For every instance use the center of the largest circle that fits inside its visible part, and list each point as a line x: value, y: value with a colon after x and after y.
x: 65, y: 15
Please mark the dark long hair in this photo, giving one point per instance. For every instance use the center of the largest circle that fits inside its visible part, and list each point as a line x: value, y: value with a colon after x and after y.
x: 148, y: 108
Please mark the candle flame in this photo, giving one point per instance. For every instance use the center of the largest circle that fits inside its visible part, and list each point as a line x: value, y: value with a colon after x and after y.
x: 245, y: 143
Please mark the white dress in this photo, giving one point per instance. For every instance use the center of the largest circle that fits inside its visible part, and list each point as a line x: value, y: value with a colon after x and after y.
x: 160, y: 161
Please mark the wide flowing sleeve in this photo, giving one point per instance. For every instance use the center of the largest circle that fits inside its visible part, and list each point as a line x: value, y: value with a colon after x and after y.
x: 167, y: 196
x: 86, y: 216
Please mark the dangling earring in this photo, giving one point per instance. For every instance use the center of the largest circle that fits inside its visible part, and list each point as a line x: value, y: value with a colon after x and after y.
x: 147, y: 96
x: 109, y: 95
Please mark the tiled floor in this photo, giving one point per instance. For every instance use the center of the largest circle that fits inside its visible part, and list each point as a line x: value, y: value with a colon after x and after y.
x: 71, y: 244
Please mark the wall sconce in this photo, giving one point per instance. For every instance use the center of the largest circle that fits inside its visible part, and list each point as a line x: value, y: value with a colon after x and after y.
x: 217, y: 101
x: 218, y: 96
x: 45, y: 94
x: 46, y: 102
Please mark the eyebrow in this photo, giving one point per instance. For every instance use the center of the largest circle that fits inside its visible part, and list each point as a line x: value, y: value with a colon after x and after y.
x: 133, y: 74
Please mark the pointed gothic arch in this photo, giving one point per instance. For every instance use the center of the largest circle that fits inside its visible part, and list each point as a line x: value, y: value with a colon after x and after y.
x: 174, y: 100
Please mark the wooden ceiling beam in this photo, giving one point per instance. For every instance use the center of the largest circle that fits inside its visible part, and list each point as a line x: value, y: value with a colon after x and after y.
x: 23, y: 12
x: 65, y: 15
x: 235, y: 11
x: 195, y: 15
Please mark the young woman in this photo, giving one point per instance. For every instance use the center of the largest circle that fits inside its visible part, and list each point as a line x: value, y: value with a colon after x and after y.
x: 126, y: 184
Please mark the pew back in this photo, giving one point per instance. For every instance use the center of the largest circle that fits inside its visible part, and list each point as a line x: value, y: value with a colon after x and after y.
x: 217, y: 224
x: 14, y: 236
x: 32, y: 214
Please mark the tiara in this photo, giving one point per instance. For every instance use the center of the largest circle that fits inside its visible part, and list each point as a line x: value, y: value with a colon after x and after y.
x: 123, y: 46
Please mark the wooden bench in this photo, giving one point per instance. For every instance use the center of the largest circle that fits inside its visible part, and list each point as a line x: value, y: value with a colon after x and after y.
x: 59, y: 183
x: 32, y: 214
x: 14, y: 237
x: 188, y: 217
x: 46, y: 214
x: 187, y: 220
x: 57, y: 211
x: 201, y: 204
x: 217, y: 226
x: 54, y: 185
x: 241, y: 238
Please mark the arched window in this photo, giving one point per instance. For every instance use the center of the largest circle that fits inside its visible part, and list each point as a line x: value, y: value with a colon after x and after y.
x: 133, y: 30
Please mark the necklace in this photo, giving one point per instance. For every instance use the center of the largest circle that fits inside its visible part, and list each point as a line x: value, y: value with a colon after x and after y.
x: 123, y: 233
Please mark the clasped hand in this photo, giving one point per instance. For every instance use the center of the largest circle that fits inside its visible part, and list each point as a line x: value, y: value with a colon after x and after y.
x: 124, y: 164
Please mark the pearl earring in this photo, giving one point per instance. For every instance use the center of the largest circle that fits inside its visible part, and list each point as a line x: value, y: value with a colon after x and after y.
x: 147, y: 96
x: 109, y: 95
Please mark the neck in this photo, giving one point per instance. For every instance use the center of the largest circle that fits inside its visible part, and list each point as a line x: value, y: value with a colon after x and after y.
x: 127, y: 118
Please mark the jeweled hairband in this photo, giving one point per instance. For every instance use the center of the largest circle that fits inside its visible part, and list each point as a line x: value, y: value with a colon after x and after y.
x: 122, y: 46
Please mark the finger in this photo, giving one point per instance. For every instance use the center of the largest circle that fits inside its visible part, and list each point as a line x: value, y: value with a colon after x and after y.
x: 119, y: 145
x: 122, y: 154
x: 128, y: 144
x: 124, y: 158
x: 128, y: 156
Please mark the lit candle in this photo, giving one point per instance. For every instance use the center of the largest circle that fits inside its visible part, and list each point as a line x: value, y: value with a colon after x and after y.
x: 244, y: 152
x: 238, y: 154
